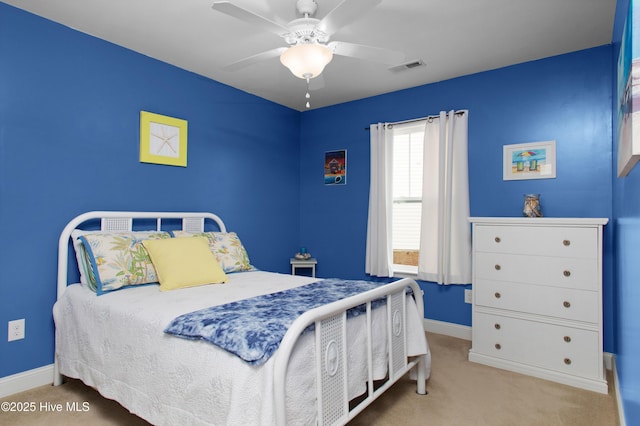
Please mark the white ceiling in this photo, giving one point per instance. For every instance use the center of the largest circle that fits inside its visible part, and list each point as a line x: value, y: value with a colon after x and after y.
x: 453, y: 38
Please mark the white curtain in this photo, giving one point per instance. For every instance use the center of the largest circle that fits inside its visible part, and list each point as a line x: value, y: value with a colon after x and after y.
x: 445, y: 236
x: 379, y: 253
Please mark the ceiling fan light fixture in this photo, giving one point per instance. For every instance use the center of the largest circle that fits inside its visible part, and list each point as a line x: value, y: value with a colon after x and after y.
x: 306, y: 60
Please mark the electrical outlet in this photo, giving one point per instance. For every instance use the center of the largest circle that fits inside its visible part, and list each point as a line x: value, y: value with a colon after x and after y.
x: 16, y: 330
x: 468, y: 296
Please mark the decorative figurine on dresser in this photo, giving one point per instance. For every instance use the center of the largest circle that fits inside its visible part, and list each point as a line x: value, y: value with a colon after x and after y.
x: 531, y: 206
x: 537, y: 298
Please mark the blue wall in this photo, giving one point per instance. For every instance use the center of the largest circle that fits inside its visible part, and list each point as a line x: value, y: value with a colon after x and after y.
x: 565, y: 98
x: 627, y: 268
x: 69, y: 114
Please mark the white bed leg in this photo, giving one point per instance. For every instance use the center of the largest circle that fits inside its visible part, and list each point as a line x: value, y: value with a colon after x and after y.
x: 422, y: 376
x: 57, y: 377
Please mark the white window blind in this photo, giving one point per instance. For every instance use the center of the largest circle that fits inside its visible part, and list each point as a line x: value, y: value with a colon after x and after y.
x: 407, y: 185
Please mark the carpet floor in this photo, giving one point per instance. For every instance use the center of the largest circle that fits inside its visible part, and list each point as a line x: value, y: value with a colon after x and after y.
x: 460, y: 393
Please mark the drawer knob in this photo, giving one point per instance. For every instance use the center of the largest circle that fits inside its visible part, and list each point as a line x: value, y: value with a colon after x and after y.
x: 498, y: 346
x: 498, y: 267
x: 497, y: 239
x: 567, y: 361
x: 566, y: 304
x: 498, y: 295
x: 567, y: 273
x: 567, y: 339
x: 497, y: 326
x: 567, y: 243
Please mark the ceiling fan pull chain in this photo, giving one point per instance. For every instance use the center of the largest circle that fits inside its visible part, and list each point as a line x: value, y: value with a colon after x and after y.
x: 308, y: 95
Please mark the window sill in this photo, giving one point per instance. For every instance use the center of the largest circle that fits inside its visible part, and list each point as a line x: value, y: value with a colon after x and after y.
x: 405, y: 271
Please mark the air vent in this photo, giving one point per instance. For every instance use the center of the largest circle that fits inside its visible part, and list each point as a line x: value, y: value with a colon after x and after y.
x: 408, y: 65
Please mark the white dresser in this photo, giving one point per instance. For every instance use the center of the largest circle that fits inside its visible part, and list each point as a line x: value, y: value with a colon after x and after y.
x: 537, y: 298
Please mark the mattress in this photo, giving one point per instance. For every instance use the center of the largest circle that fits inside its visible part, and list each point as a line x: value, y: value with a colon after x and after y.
x: 115, y: 343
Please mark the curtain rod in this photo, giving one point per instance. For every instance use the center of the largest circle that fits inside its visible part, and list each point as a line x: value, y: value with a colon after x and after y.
x: 429, y: 117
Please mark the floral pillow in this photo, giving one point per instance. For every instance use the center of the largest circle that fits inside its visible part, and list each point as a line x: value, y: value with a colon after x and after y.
x: 118, y: 260
x: 227, y: 249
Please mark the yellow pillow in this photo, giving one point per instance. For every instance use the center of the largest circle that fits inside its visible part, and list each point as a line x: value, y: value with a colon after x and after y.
x: 184, y: 262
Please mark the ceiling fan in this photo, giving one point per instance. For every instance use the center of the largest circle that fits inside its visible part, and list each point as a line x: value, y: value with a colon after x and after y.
x: 309, y: 49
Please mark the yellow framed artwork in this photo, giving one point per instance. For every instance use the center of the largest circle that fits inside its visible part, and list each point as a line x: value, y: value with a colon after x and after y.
x: 163, y: 140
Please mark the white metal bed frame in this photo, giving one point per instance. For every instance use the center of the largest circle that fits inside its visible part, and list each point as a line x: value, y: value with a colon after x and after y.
x: 329, y: 320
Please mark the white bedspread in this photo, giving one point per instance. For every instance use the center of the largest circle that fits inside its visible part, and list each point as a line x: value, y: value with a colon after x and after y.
x: 115, y: 343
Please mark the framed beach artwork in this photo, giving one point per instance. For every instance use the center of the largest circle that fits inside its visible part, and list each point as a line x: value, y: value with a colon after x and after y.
x: 536, y: 160
x: 335, y: 167
x: 628, y: 92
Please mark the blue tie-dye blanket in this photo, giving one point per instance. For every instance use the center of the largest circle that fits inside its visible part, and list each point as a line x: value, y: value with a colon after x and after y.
x: 253, y: 328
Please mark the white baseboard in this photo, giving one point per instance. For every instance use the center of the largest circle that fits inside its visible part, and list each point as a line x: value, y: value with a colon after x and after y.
x: 608, y: 360
x: 616, y: 390
x: 26, y: 380
x: 448, y: 329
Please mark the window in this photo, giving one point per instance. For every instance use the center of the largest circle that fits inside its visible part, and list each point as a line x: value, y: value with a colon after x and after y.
x: 407, y: 192
x: 419, y: 200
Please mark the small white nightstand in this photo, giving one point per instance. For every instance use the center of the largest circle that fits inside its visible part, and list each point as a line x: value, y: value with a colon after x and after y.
x: 308, y: 263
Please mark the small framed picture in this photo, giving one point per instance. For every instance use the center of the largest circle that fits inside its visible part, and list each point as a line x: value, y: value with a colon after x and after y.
x: 163, y: 140
x: 536, y: 160
x: 335, y: 167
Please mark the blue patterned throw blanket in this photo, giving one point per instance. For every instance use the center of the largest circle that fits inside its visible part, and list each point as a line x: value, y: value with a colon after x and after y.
x: 253, y: 328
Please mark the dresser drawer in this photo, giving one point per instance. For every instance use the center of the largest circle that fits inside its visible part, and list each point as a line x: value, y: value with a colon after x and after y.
x: 578, y: 273
x: 578, y: 305
x: 537, y: 240
x: 565, y: 349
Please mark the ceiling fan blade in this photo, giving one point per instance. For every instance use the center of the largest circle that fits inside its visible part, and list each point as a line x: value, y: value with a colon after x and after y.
x: 249, y: 17
x: 344, y: 13
x: 368, y: 53
x: 242, y: 63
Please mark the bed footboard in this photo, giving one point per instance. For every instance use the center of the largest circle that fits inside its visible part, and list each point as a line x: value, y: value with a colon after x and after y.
x: 333, y: 404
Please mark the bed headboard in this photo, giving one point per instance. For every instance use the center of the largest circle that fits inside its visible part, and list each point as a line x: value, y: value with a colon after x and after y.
x: 127, y: 221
